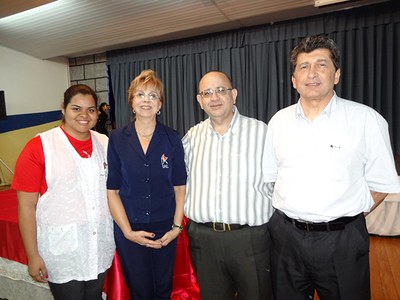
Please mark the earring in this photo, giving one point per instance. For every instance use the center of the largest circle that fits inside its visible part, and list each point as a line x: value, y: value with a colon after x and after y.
x: 159, y: 113
x: 134, y: 112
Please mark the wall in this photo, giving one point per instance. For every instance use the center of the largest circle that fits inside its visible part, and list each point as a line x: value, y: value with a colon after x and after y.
x: 91, y: 70
x: 33, y: 93
x: 31, y: 85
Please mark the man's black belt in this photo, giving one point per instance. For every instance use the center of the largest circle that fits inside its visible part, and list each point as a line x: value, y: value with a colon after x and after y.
x: 337, y: 224
x: 216, y: 226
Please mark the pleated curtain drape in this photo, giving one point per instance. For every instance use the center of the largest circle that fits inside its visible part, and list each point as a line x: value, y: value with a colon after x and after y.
x: 257, y: 60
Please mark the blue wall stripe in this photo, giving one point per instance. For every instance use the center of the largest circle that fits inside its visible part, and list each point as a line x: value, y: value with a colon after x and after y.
x: 28, y: 120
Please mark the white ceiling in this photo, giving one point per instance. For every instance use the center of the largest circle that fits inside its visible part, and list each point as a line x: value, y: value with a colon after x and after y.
x: 68, y: 28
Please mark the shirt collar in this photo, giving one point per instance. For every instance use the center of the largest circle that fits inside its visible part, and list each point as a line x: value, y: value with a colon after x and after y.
x: 331, y: 105
x: 232, y: 126
x: 327, y: 110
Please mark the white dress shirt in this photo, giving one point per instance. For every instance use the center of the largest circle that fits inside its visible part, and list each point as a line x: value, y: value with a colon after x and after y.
x: 325, y: 169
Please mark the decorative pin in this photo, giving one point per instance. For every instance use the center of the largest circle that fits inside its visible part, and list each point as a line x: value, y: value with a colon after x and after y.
x: 164, y: 161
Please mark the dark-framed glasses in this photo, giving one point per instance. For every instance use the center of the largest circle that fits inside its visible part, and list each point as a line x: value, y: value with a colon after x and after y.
x: 152, y: 96
x: 220, y: 91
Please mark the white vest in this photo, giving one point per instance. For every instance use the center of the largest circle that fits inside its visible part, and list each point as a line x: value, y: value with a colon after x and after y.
x: 74, y: 225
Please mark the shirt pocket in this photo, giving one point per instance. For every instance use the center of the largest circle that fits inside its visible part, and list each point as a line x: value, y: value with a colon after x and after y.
x: 63, y: 239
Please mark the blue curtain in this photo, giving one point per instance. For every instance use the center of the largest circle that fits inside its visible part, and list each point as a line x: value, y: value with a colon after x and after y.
x: 257, y: 60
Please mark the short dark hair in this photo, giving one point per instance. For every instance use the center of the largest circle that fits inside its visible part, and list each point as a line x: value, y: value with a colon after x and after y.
x: 101, y: 106
x: 311, y: 43
x: 78, y: 89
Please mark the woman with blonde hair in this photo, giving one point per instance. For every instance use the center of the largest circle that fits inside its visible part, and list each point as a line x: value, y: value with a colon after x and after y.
x: 146, y: 190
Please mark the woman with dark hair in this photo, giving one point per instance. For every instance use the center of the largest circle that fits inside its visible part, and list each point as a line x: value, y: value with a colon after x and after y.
x: 64, y: 220
x: 103, y: 118
x: 146, y: 190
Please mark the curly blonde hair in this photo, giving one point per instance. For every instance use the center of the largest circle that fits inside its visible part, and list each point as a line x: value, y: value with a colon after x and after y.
x: 147, y: 78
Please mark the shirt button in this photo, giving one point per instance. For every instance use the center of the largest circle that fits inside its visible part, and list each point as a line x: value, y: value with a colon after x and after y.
x: 147, y: 180
x: 148, y: 214
x: 146, y: 165
x: 148, y: 197
x: 94, y: 232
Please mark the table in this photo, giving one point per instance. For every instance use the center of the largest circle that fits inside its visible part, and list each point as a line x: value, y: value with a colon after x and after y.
x: 15, y: 283
x: 385, y: 219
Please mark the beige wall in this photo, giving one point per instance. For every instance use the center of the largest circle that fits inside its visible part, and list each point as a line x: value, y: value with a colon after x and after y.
x: 31, y: 85
x: 13, y: 142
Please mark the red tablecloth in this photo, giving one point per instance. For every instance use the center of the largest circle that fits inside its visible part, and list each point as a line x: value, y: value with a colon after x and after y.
x: 11, y: 247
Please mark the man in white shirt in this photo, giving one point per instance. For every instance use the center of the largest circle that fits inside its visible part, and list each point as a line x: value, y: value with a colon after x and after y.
x: 227, y: 201
x: 331, y: 162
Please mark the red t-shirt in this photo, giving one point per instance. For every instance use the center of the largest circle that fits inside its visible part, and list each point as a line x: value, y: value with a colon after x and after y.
x: 30, y: 171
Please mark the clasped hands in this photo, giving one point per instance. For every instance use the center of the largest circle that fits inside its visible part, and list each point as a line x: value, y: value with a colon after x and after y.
x: 145, y: 238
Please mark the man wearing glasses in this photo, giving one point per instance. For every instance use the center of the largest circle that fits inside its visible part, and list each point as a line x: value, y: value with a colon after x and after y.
x: 227, y: 202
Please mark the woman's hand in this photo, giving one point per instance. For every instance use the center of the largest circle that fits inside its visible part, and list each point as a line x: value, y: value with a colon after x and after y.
x: 143, y: 238
x: 37, y: 269
x: 117, y: 210
x: 27, y: 226
x: 170, y: 236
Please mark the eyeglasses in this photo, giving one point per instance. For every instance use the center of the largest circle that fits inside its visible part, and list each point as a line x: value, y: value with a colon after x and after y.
x: 142, y: 96
x: 219, y: 90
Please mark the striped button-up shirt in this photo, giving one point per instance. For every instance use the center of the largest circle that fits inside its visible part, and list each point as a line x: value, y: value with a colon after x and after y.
x: 225, y: 177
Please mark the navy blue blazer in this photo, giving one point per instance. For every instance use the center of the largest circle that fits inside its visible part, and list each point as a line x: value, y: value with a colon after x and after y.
x: 146, y: 181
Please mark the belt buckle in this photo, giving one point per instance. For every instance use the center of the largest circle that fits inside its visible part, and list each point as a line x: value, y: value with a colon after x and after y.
x: 305, y: 225
x: 225, y: 227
